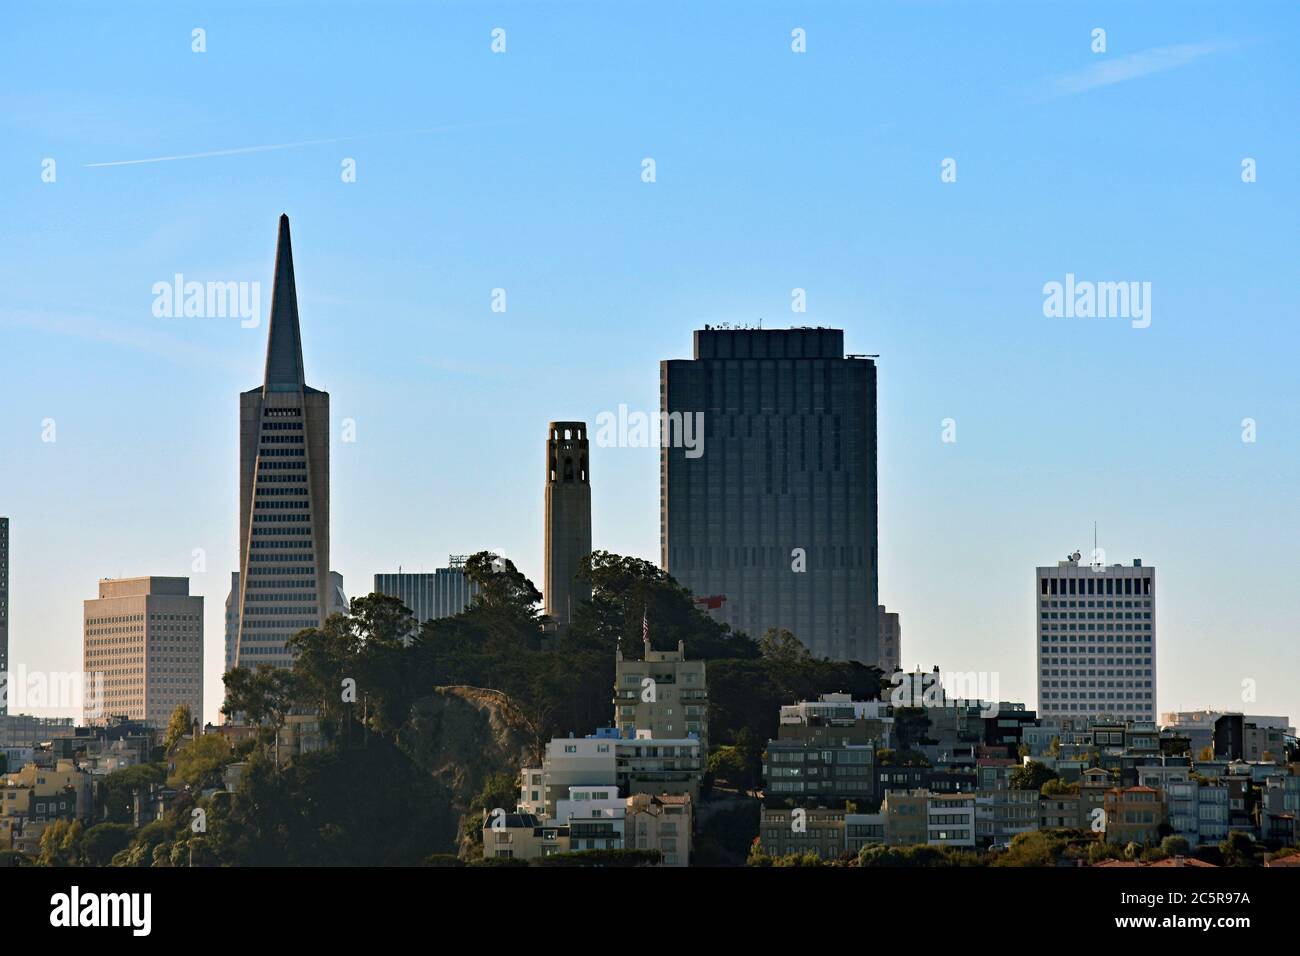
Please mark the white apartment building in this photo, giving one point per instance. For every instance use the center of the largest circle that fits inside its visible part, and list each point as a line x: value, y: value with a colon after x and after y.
x: 1096, y: 646
x: 950, y: 819
x: 641, y: 764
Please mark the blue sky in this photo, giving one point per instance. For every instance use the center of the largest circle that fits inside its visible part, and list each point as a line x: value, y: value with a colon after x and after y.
x: 775, y: 170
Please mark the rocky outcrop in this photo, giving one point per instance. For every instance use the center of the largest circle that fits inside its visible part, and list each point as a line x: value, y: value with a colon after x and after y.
x: 460, y: 736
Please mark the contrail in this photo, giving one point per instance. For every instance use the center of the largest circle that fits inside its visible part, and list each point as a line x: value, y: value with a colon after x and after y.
x: 273, y: 146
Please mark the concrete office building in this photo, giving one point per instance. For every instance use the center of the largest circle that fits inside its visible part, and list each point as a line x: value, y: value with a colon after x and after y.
x: 284, y: 494
x: 338, y: 605
x: 1096, y: 640
x: 444, y: 593
x: 145, y: 636
x: 568, y: 518
x: 4, y: 616
x: 773, y: 504
x: 891, y: 642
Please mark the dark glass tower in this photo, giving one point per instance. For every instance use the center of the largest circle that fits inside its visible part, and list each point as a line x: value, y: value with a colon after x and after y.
x: 284, y: 491
x: 784, y: 479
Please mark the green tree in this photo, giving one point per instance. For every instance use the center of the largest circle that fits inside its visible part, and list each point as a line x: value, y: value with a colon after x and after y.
x: 1238, y: 850
x: 779, y: 644
x: 116, y: 793
x: 181, y: 723
x: 1175, y: 846
x: 263, y: 696
x: 727, y: 766
x: 1031, y: 776
x: 60, y: 843
x: 199, y: 762
x: 104, y: 841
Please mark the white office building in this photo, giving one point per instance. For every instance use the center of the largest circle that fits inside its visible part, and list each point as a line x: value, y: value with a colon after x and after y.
x: 1096, y: 639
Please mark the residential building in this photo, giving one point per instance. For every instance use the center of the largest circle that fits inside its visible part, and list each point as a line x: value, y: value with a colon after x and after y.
x: 568, y: 519
x: 144, y: 639
x: 284, y: 491
x: 662, y: 823
x: 820, y: 767
x: 638, y: 765
x: 1002, y: 814
x: 768, y: 495
x: 906, y: 814
x: 837, y: 717
x: 522, y: 836
x: 803, y: 830
x: 663, y: 693
x: 863, y: 829
x: 33, y: 797
x: 950, y: 819
x: 1096, y: 646
x: 1133, y: 815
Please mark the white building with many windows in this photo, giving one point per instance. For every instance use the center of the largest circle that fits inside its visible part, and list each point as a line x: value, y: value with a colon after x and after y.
x: 1096, y: 642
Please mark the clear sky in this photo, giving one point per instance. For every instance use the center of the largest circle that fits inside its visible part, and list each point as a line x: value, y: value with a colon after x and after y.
x: 775, y: 170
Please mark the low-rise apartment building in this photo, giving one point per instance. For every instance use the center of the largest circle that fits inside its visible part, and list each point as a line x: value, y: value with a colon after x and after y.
x: 1133, y: 815
x: 803, y: 830
x: 1001, y: 815
x: 950, y: 820
x: 662, y: 823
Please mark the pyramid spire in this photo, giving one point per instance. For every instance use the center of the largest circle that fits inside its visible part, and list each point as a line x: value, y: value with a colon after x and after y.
x: 284, y: 370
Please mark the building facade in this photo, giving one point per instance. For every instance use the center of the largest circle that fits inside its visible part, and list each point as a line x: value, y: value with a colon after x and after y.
x: 444, y: 593
x: 1096, y: 642
x: 284, y: 492
x: 145, y: 637
x: 773, y: 505
x: 568, y: 518
x: 891, y: 641
x: 663, y: 693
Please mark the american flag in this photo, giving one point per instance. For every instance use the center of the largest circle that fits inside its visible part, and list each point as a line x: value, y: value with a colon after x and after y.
x: 645, y: 624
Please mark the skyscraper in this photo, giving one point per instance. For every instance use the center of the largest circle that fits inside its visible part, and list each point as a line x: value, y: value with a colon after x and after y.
x: 568, y: 518
x: 891, y: 642
x: 4, y: 616
x: 284, y: 493
x: 773, y: 509
x: 1096, y: 639
x: 145, y: 636
x: 444, y: 593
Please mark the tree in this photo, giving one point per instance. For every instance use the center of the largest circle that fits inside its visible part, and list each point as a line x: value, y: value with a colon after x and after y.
x: 264, y: 697
x: 61, y: 843
x: 1238, y: 850
x: 1056, y: 787
x: 200, y: 761
x: 727, y: 766
x: 779, y: 644
x: 104, y: 841
x: 181, y: 723
x: 116, y: 794
x: 1031, y: 776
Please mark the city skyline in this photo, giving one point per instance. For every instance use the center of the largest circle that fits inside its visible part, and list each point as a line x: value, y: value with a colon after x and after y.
x: 1058, y: 422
